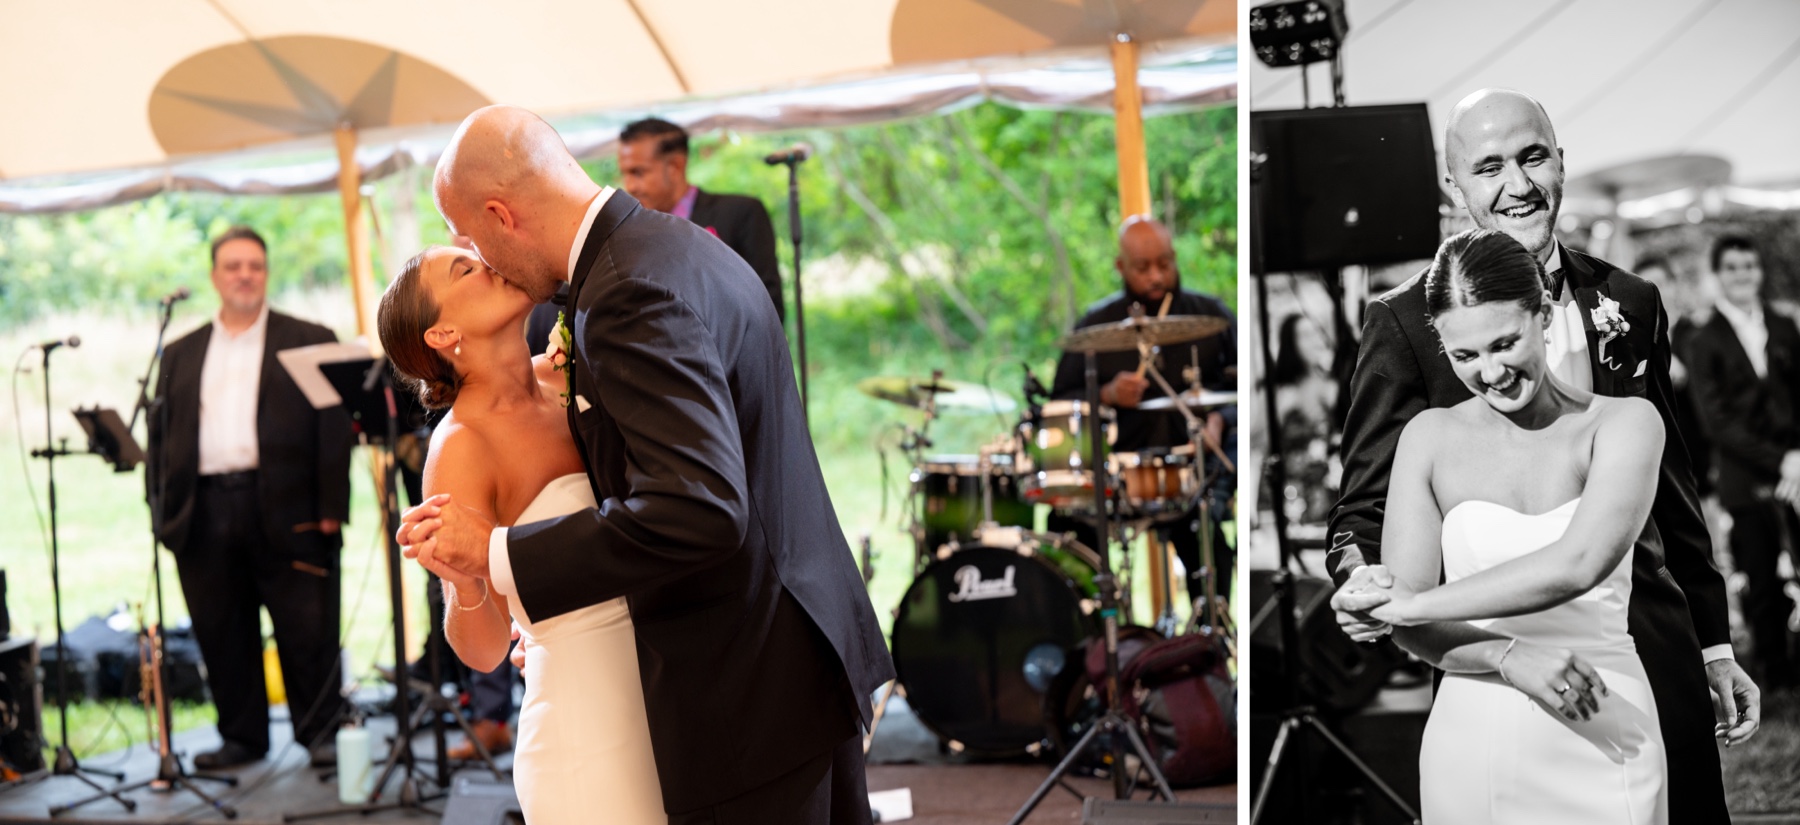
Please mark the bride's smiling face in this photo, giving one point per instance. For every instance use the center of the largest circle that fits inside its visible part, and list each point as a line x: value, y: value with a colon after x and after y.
x: 472, y: 298
x: 1497, y: 349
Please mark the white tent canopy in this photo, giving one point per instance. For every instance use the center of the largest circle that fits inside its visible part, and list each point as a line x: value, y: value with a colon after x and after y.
x: 1174, y: 76
x: 1623, y: 80
x: 178, y: 90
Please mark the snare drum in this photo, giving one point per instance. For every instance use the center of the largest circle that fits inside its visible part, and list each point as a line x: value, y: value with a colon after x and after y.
x: 949, y: 488
x: 1054, y: 442
x: 1162, y: 480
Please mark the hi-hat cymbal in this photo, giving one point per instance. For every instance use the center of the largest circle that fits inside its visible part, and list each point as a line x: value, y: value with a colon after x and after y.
x: 1202, y: 400
x: 1125, y: 335
x: 951, y: 396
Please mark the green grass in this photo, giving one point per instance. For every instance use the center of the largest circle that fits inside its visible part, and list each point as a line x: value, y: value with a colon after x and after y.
x: 104, y: 727
x: 1763, y: 774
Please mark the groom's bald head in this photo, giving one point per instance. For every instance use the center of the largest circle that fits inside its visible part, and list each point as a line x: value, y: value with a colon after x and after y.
x: 1505, y: 166
x: 508, y: 182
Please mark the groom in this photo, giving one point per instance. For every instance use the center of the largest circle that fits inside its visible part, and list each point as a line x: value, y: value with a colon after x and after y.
x: 757, y: 645
x: 1506, y: 169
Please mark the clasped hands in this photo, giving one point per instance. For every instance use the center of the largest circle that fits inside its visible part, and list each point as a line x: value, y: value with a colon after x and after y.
x: 1373, y: 602
x: 448, y: 539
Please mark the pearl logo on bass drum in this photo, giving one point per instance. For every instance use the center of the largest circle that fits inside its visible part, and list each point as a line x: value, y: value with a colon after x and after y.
x: 971, y: 587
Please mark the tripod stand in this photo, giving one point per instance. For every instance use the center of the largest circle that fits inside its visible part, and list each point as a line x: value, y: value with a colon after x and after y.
x: 1297, y: 717
x: 170, y: 775
x: 378, y: 382
x: 1113, y: 722
x: 64, y: 763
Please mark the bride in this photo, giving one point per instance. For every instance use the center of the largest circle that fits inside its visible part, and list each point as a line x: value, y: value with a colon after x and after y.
x: 456, y: 330
x: 1526, y: 501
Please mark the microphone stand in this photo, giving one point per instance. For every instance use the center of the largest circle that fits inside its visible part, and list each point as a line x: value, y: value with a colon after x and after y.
x: 170, y: 774
x: 65, y: 763
x: 792, y: 162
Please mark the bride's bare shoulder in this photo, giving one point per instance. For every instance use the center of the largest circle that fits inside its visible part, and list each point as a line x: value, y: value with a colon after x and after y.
x: 459, y: 458
x: 1630, y: 412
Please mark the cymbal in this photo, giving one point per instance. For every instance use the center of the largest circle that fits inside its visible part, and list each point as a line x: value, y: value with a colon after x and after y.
x: 951, y: 396
x: 1203, y: 400
x: 1124, y: 335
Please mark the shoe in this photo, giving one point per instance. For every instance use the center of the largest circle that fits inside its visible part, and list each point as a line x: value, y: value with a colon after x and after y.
x: 324, y: 755
x: 493, y: 735
x: 229, y: 755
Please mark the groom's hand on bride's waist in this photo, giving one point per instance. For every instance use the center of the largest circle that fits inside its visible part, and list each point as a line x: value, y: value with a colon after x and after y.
x: 457, y: 535
x: 1360, y: 594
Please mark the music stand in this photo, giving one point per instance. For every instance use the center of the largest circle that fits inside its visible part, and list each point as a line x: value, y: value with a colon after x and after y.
x: 350, y: 375
x: 109, y: 438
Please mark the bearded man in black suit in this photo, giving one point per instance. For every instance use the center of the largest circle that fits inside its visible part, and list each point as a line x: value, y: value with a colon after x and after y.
x: 1505, y: 167
x: 255, y: 486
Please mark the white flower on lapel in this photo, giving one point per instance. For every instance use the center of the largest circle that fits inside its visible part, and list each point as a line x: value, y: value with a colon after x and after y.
x: 558, y: 350
x: 1610, y: 324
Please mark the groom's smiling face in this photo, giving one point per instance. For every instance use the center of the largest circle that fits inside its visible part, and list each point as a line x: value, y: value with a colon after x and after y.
x: 1505, y: 167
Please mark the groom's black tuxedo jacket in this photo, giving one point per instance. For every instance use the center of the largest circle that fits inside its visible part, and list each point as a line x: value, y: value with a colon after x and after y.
x: 756, y: 640
x: 1677, y: 598
x: 1751, y: 420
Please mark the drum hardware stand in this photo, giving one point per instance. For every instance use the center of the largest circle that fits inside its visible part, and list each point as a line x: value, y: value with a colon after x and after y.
x: 64, y: 763
x: 1114, y: 722
x: 1298, y: 716
x: 379, y: 381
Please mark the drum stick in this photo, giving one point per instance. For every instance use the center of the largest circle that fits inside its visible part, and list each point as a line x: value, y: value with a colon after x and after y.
x: 1144, y: 363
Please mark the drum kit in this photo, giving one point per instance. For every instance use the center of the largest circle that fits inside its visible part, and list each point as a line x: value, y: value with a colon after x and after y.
x: 997, y: 610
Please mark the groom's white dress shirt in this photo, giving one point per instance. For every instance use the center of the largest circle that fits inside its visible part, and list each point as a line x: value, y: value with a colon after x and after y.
x: 499, y: 561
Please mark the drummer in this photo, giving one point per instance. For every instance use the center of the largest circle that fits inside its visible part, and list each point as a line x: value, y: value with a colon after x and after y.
x: 1148, y: 274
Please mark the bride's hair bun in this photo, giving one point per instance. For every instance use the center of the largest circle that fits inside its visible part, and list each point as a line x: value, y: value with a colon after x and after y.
x: 406, y: 312
x: 1483, y: 266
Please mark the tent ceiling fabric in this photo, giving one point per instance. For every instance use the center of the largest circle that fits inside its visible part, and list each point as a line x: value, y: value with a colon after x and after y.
x: 938, y: 30
x: 1623, y: 80
x: 124, y: 119
x: 264, y: 91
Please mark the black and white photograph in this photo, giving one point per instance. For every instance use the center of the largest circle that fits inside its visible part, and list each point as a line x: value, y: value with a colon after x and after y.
x: 1520, y: 497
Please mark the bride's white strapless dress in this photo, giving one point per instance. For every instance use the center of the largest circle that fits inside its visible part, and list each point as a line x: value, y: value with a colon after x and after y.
x: 1494, y: 755
x: 583, y: 753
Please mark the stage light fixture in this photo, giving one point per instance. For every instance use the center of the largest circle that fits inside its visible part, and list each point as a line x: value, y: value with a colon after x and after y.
x: 1297, y: 32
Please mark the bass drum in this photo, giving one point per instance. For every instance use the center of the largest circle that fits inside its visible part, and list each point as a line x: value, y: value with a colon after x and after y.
x: 978, y: 640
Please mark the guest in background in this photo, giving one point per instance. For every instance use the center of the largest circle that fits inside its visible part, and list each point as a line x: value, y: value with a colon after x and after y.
x: 653, y: 158
x: 1683, y: 324
x: 255, y: 489
x: 1744, y: 365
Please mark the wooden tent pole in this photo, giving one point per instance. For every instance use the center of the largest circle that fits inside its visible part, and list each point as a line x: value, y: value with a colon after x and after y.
x: 356, y: 235
x: 362, y: 278
x: 1128, y: 126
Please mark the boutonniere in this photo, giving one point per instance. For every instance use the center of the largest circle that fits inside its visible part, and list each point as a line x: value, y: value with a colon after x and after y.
x: 1610, y: 324
x: 558, y: 350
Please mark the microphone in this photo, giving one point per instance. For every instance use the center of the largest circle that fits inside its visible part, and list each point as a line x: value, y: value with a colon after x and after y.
x: 793, y: 154
x: 179, y: 295
x: 71, y: 342
x: 1033, y: 387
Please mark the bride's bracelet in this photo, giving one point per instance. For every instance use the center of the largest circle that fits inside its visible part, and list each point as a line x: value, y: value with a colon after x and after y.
x: 458, y: 602
x: 1499, y: 666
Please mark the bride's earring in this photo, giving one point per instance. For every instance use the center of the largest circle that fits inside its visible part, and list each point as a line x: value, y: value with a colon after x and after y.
x: 458, y: 349
x: 1547, y: 341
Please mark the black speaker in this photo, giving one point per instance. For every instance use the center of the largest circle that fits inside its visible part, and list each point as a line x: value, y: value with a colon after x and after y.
x: 1097, y: 811
x: 21, y: 706
x: 1334, y: 672
x: 1341, y: 186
